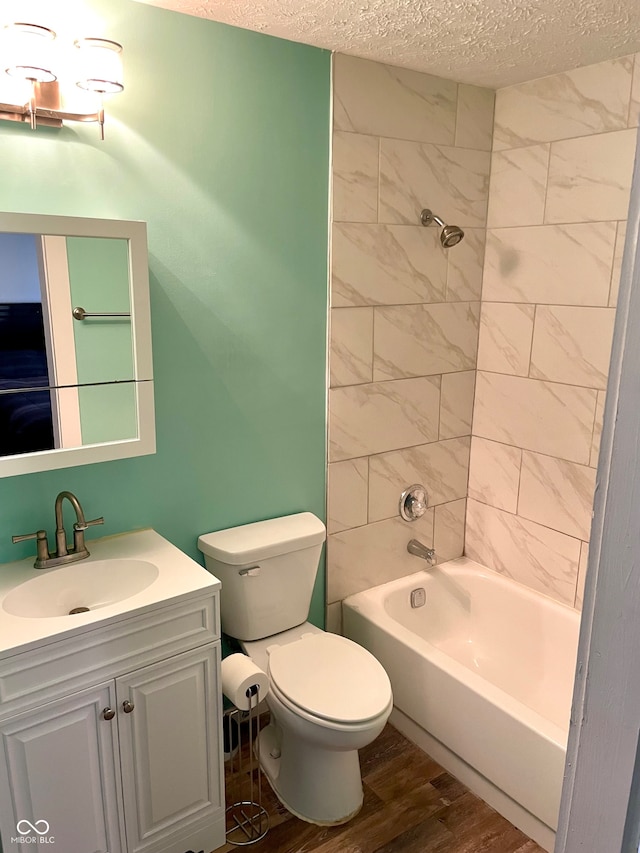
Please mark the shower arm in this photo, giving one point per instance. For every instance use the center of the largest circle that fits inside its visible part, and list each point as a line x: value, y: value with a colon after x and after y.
x: 428, y: 216
x: 450, y: 235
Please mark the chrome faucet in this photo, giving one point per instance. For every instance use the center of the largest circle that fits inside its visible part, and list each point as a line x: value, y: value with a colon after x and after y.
x: 419, y: 550
x: 62, y: 554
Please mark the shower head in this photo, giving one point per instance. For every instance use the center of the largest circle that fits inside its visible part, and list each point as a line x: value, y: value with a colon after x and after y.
x: 450, y: 234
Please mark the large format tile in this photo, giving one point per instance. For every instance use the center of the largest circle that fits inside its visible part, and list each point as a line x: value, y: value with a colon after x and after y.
x: 453, y: 182
x: 355, y: 177
x: 333, y: 618
x: 448, y: 530
x: 386, y: 265
x: 582, y: 575
x: 542, y: 416
x: 420, y: 340
x: 587, y: 100
x: 474, y: 121
x: 442, y: 467
x: 384, y: 100
x: 557, y: 493
x: 518, y: 186
x: 504, y: 344
x: 494, y: 473
x: 368, y: 556
x: 590, y: 178
x: 634, y: 106
x: 347, y: 491
x: 597, y: 430
x: 367, y: 419
x: 456, y: 403
x: 542, y: 559
x: 572, y: 345
x: 351, y: 351
x: 616, y: 269
x: 553, y: 264
x: 464, y: 267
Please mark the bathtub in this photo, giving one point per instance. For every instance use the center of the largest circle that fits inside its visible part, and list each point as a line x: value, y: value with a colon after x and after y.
x: 482, y: 678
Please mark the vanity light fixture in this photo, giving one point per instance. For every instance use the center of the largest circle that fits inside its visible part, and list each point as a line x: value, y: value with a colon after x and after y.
x: 30, y: 58
x: 49, y: 81
x: 100, y: 70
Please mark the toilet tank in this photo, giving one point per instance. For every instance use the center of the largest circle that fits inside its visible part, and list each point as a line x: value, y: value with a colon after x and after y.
x: 267, y: 570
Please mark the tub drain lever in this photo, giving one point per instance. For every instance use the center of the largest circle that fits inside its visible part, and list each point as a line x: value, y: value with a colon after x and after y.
x: 418, y: 597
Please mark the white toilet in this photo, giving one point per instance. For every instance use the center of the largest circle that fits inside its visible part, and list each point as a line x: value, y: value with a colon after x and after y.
x: 328, y: 697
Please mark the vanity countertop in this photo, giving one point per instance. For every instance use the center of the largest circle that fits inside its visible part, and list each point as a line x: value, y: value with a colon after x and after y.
x: 178, y: 577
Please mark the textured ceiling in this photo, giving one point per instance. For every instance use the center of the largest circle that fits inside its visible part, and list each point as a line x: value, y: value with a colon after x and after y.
x: 487, y: 42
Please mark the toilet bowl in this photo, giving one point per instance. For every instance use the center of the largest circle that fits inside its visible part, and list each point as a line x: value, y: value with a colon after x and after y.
x: 328, y: 697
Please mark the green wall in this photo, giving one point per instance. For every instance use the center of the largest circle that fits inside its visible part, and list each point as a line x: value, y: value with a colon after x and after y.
x: 221, y: 143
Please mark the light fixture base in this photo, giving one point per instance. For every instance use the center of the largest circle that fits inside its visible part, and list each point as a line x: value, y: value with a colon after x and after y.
x: 49, y: 111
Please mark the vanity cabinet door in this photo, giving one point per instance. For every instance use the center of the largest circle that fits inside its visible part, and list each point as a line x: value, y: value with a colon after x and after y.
x: 170, y: 745
x: 58, y: 779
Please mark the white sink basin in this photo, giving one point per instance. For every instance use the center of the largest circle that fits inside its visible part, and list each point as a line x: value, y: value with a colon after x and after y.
x: 128, y: 573
x: 85, y: 585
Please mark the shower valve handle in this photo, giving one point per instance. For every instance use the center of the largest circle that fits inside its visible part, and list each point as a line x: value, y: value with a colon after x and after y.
x: 413, y: 502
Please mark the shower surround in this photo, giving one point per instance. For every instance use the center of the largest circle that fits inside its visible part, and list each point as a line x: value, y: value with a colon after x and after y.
x: 404, y: 316
x: 561, y: 169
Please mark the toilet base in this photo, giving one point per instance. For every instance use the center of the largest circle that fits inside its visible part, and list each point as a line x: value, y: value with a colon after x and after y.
x: 317, y: 785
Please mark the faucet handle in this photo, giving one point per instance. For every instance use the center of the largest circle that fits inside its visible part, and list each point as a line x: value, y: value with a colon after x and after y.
x: 39, y: 534
x: 79, y: 528
x: 86, y: 524
x: 42, y: 549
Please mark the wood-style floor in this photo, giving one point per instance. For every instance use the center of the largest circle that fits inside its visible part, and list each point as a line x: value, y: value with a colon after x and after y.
x: 411, y: 805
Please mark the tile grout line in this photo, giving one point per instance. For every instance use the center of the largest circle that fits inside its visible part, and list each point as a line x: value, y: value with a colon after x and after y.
x: 546, y: 186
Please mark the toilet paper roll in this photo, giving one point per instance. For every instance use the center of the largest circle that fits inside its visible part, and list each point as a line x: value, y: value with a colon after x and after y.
x: 239, y: 676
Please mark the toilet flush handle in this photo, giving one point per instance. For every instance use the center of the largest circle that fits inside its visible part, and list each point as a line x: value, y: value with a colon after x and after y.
x: 250, y: 572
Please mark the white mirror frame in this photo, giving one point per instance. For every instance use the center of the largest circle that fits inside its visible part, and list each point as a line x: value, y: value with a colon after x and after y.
x: 145, y: 442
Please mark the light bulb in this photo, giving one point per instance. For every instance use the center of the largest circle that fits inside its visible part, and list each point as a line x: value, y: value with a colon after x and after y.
x: 30, y: 54
x: 100, y: 65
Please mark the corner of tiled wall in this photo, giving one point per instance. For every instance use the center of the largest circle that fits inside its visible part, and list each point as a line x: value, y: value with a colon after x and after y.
x: 404, y: 315
x: 560, y: 177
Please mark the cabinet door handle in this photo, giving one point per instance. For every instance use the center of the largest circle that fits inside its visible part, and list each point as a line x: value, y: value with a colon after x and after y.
x: 127, y: 706
x: 108, y: 714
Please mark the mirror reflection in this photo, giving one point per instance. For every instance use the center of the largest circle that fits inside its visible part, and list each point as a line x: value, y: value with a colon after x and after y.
x: 65, y: 382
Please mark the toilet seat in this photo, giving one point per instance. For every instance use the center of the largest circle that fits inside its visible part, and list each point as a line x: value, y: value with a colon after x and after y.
x: 330, y: 678
x: 344, y: 728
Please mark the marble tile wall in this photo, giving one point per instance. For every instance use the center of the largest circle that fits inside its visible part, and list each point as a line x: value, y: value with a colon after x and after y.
x: 405, y: 315
x: 561, y: 167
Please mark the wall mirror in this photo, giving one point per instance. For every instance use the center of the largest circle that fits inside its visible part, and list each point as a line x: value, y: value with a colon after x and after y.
x: 76, y: 382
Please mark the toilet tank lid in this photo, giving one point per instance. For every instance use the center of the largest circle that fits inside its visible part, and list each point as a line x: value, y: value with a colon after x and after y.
x: 262, y: 539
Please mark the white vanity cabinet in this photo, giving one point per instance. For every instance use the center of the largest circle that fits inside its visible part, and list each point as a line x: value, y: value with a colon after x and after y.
x: 60, y: 773
x: 169, y: 749
x: 110, y: 739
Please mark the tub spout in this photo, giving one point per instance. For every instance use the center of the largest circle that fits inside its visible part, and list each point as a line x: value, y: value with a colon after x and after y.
x: 419, y: 550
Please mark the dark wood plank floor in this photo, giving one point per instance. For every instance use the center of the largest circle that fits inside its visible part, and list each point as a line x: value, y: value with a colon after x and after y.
x: 411, y: 805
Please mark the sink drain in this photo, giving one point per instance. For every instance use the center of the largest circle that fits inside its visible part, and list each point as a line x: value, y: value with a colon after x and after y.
x: 78, y: 610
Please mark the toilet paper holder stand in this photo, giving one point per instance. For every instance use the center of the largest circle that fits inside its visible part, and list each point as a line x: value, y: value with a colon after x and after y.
x: 247, y: 821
